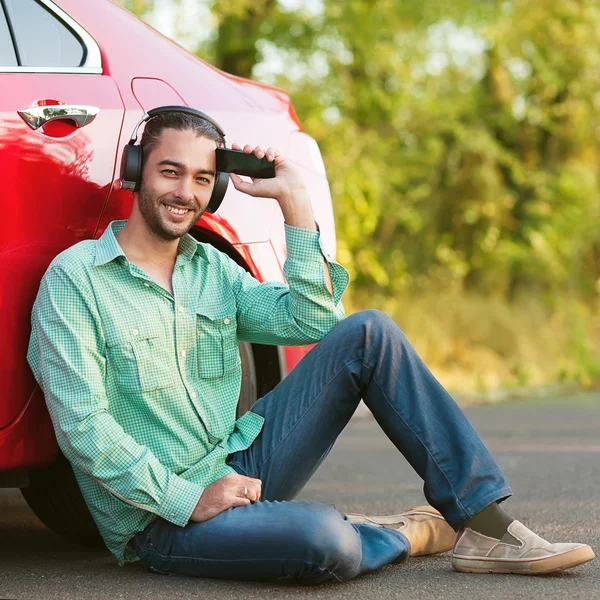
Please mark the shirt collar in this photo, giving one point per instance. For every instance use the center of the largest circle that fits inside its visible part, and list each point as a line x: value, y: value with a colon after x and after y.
x: 108, y: 248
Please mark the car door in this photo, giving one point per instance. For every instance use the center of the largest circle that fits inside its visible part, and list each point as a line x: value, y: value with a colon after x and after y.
x: 60, y: 120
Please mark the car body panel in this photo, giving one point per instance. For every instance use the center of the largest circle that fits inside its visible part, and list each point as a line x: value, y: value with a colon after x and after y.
x: 29, y: 441
x: 55, y: 182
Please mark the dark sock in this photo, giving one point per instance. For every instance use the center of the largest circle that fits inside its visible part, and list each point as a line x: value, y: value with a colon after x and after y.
x: 493, y: 522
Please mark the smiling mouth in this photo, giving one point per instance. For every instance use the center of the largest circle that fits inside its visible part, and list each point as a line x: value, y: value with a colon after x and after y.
x: 177, y: 211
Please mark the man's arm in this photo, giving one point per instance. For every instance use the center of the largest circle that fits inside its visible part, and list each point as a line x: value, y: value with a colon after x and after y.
x: 301, y: 312
x: 297, y: 212
x: 287, y: 188
x: 309, y: 306
x: 67, y: 356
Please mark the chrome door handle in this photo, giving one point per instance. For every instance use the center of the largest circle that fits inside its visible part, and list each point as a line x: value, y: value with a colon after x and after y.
x: 38, y: 116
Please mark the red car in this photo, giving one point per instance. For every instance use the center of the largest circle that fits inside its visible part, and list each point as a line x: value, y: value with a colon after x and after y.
x: 75, y: 78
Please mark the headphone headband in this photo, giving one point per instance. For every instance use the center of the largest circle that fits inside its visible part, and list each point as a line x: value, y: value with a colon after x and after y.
x: 153, y: 112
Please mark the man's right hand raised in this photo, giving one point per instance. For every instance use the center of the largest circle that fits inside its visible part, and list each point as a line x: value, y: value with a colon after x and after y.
x: 227, y: 492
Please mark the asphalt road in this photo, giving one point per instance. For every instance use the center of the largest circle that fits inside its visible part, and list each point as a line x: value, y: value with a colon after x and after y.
x: 549, y: 449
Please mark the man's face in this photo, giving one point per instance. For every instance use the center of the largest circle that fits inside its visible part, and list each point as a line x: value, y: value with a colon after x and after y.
x: 177, y: 182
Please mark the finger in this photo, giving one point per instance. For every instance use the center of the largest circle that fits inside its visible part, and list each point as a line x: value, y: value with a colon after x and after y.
x: 255, y: 488
x: 251, y: 493
x: 235, y: 178
x: 245, y: 487
x: 271, y: 154
x: 239, y: 502
x: 236, y: 146
x: 251, y: 482
x: 241, y: 185
x: 278, y: 158
x: 259, y: 152
x: 248, y: 149
x: 246, y: 480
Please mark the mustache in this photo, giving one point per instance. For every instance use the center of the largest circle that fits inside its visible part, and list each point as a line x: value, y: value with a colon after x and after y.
x: 178, y: 204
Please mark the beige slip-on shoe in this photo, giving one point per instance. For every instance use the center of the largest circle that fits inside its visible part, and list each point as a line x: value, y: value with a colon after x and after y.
x: 478, y: 553
x: 424, y: 527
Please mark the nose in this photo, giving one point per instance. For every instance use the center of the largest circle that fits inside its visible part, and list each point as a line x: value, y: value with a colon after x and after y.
x: 184, y: 191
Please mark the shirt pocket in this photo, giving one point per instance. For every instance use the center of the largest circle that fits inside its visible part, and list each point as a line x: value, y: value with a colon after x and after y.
x: 140, y: 360
x: 216, y: 339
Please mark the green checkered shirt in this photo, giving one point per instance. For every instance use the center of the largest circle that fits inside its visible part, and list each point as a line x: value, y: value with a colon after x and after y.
x: 142, y: 386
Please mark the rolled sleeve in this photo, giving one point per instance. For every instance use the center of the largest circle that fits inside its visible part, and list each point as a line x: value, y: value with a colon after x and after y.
x: 301, y: 311
x: 180, y: 501
x: 305, y: 246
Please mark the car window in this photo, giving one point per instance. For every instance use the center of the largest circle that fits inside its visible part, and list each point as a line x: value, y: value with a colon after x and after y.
x: 8, y: 58
x: 41, y: 39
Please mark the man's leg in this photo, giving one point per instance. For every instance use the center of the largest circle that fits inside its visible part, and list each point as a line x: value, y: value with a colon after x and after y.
x: 307, y: 542
x: 367, y: 356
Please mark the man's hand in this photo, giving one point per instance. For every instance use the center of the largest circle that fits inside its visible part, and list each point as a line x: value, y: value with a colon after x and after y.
x: 225, y: 493
x: 287, y: 187
x: 288, y: 177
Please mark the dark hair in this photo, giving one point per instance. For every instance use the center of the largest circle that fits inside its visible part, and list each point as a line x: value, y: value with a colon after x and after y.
x: 180, y: 121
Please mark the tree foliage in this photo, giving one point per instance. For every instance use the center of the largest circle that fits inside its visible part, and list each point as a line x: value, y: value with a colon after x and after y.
x: 461, y: 139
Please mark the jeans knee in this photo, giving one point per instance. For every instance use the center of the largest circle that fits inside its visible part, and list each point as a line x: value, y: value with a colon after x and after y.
x: 333, y: 546
x: 372, y: 322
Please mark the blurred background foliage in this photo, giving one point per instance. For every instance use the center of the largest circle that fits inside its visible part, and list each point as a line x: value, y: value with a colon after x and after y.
x: 461, y: 141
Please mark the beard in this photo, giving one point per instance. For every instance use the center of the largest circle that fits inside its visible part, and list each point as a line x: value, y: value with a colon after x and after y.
x: 150, y: 207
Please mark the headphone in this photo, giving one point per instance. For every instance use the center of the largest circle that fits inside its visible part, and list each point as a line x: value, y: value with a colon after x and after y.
x: 131, y: 163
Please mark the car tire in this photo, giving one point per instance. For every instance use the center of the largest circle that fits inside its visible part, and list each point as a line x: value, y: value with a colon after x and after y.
x: 55, y: 498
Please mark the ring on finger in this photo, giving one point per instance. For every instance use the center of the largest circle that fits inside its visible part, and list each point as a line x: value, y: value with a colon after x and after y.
x: 245, y: 492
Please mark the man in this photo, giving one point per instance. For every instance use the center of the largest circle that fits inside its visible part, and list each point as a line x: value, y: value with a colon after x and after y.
x: 134, y: 343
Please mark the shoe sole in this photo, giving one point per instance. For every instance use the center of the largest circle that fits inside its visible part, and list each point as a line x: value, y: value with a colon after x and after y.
x: 541, y: 566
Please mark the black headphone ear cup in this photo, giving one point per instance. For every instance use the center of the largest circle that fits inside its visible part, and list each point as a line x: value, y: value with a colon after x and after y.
x: 131, y: 168
x: 218, y: 193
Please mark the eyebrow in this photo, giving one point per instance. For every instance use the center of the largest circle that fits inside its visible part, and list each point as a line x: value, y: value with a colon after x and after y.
x: 178, y: 165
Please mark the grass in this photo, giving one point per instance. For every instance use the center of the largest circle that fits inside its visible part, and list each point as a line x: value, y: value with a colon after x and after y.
x: 477, y: 345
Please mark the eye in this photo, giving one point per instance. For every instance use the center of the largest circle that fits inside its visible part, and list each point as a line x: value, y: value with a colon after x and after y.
x: 202, y: 179
x: 169, y: 172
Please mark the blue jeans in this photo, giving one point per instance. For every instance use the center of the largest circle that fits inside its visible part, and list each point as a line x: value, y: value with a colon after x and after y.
x: 365, y: 356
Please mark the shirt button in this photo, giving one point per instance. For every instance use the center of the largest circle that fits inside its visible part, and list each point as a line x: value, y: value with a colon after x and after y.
x: 181, y: 309
x: 193, y: 395
x: 146, y: 284
x: 227, y: 321
x: 135, y: 332
x: 183, y: 353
